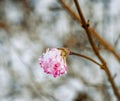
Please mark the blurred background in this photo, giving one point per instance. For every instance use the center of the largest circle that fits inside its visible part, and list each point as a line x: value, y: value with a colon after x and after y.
x: 28, y: 27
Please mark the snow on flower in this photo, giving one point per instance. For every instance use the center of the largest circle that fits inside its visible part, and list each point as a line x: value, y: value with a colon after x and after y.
x: 54, y: 61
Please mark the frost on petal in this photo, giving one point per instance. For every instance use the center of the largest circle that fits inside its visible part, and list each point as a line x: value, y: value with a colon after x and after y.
x: 53, y: 62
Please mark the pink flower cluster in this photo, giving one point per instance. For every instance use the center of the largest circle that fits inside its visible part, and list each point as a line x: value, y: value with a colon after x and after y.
x: 53, y: 62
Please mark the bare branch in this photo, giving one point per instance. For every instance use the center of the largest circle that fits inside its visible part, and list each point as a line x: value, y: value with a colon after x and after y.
x: 96, y: 51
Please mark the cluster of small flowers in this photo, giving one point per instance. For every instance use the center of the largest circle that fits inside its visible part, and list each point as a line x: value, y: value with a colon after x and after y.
x: 53, y: 62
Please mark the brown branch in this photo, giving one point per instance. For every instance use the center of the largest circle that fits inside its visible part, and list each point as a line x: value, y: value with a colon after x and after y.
x: 86, y: 57
x: 106, y: 45
x: 72, y: 13
x: 96, y: 51
x: 102, y: 41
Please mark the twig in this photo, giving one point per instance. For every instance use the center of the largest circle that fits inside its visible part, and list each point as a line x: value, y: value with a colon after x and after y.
x: 106, y: 45
x: 73, y: 14
x: 86, y: 57
x: 102, y: 41
x: 96, y: 51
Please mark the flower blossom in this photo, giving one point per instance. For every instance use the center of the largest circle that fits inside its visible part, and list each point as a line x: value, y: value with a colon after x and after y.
x: 54, y: 61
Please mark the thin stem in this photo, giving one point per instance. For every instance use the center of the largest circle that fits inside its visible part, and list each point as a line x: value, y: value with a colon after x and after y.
x: 73, y: 14
x: 105, y: 44
x: 96, y: 51
x: 86, y: 57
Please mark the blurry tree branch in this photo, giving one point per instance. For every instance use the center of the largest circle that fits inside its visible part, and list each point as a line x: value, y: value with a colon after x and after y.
x: 3, y: 25
x: 117, y: 41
